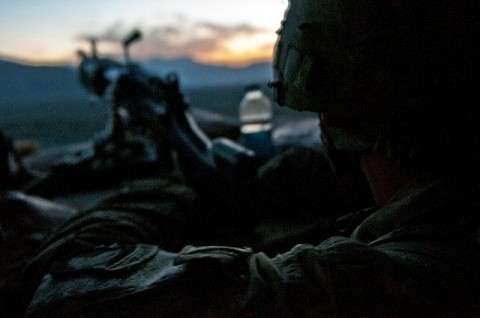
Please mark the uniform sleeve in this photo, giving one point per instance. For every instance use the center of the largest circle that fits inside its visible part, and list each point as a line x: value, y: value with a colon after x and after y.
x: 339, y: 278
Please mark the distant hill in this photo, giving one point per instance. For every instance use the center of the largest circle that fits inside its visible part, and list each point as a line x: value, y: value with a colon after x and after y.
x: 23, y: 83
x: 20, y: 83
x: 194, y: 74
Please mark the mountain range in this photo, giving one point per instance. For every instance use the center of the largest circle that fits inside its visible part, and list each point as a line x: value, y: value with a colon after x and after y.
x: 20, y: 82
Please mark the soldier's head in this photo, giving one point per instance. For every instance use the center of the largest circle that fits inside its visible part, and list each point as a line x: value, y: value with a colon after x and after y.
x: 398, y: 76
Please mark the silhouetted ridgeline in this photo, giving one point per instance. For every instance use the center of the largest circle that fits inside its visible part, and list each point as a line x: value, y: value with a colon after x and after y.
x: 20, y: 83
x: 24, y: 83
x: 197, y: 75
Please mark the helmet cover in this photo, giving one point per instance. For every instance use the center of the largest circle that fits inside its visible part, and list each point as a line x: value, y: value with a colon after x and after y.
x: 396, y: 71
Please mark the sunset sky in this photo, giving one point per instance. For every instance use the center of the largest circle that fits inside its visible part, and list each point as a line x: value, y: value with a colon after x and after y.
x: 225, y: 32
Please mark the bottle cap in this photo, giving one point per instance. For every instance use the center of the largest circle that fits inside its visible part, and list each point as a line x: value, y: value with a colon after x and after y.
x: 252, y: 87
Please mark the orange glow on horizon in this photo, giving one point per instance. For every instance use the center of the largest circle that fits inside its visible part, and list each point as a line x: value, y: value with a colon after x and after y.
x: 35, y: 61
x: 241, y: 51
x: 224, y: 57
x: 235, y: 61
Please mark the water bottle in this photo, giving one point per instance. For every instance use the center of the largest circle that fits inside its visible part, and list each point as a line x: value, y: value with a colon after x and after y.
x: 255, y: 115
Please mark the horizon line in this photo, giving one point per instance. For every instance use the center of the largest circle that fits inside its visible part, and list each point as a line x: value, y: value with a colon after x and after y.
x: 67, y: 62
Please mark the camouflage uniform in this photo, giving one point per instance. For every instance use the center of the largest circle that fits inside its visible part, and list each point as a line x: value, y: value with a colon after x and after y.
x: 25, y: 222
x: 417, y: 256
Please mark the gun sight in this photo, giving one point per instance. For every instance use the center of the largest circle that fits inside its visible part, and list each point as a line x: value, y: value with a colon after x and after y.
x: 134, y: 36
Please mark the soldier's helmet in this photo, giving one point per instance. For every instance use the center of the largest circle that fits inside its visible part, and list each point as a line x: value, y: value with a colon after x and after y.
x: 400, y: 76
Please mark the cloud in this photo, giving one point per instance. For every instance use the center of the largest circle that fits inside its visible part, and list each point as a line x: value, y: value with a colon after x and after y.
x: 114, y: 34
x: 183, y: 38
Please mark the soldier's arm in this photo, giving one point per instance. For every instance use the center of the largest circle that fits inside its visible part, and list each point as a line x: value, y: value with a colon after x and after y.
x: 340, y: 277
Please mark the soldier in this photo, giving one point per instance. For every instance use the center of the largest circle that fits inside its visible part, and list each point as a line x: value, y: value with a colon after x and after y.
x: 396, y: 85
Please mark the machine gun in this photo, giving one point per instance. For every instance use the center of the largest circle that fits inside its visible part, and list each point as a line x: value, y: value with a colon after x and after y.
x: 150, y: 132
